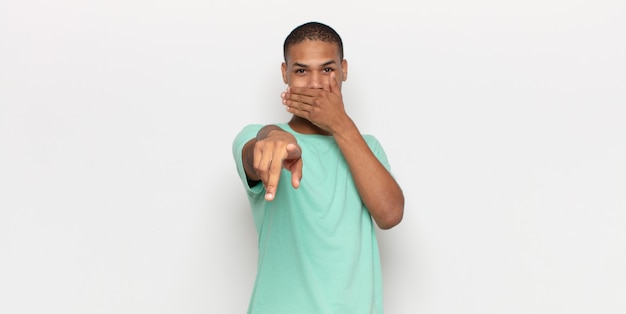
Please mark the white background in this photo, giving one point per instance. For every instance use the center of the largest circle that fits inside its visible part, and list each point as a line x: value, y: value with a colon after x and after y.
x: 504, y: 122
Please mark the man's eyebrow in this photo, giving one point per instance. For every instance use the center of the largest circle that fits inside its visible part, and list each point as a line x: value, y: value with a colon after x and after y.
x: 301, y: 65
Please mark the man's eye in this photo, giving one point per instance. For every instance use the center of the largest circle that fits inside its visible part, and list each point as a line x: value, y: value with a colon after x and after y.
x: 300, y: 71
x: 328, y: 70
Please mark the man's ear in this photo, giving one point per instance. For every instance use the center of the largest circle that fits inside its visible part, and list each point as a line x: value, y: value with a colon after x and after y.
x: 344, y: 67
x: 283, y: 70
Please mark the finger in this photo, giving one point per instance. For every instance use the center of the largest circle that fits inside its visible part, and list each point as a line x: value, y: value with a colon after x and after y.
x: 333, y: 84
x: 262, y: 163
x: 295, y: 99
x: 301, y: 91
x: 328, y: 83
x: 272, y: 181
x: 297, y: 108
x: 296, y: 174
x: 295, y: 153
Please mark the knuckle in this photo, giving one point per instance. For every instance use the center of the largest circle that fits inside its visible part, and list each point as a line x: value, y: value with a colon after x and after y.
x: 260, y: 171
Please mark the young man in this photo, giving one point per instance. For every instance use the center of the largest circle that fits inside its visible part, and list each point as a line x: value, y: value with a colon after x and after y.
x: 315, y: 186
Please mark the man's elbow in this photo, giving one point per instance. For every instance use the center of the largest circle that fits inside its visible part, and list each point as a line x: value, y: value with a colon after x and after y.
x: 392, y: 218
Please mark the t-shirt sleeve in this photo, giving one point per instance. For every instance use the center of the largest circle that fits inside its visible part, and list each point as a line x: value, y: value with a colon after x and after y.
x: 378, y: 150
x: 246, y: 134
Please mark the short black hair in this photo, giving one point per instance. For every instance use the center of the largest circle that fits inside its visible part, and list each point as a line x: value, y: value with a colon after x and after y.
x: 313, y: 31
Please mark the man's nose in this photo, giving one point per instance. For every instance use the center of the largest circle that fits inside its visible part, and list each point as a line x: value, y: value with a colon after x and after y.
x: 316, y: 80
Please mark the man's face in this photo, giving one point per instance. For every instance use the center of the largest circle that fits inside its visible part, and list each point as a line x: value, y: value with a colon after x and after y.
x: 309, y: 64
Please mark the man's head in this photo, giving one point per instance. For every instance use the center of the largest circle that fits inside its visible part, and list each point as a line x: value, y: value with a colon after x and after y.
x: 313, y: 31
x: 312, y: 51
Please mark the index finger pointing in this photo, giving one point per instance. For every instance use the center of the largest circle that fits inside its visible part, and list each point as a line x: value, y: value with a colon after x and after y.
x: 272, y: 180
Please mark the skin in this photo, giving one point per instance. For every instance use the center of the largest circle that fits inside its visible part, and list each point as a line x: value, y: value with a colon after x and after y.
x: 314, y: 74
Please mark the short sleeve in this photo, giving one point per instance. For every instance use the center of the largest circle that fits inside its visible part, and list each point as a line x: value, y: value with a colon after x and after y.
x: 246, y: 134
x: 378, y: 150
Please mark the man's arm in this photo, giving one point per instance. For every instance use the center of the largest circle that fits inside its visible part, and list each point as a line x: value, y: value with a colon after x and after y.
x: 379, y: 191
x: 264, y: 156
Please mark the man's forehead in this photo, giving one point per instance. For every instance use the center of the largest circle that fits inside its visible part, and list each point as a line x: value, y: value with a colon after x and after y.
x: 312, y: 48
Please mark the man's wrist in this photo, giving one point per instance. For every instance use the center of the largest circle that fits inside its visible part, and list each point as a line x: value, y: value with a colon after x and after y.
x: 265, y: 131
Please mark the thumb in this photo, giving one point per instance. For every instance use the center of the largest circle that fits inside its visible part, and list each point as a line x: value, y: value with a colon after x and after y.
x: 293, y: 151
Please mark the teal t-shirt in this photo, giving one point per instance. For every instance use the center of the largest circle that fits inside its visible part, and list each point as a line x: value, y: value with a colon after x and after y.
x: 317, y: 247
